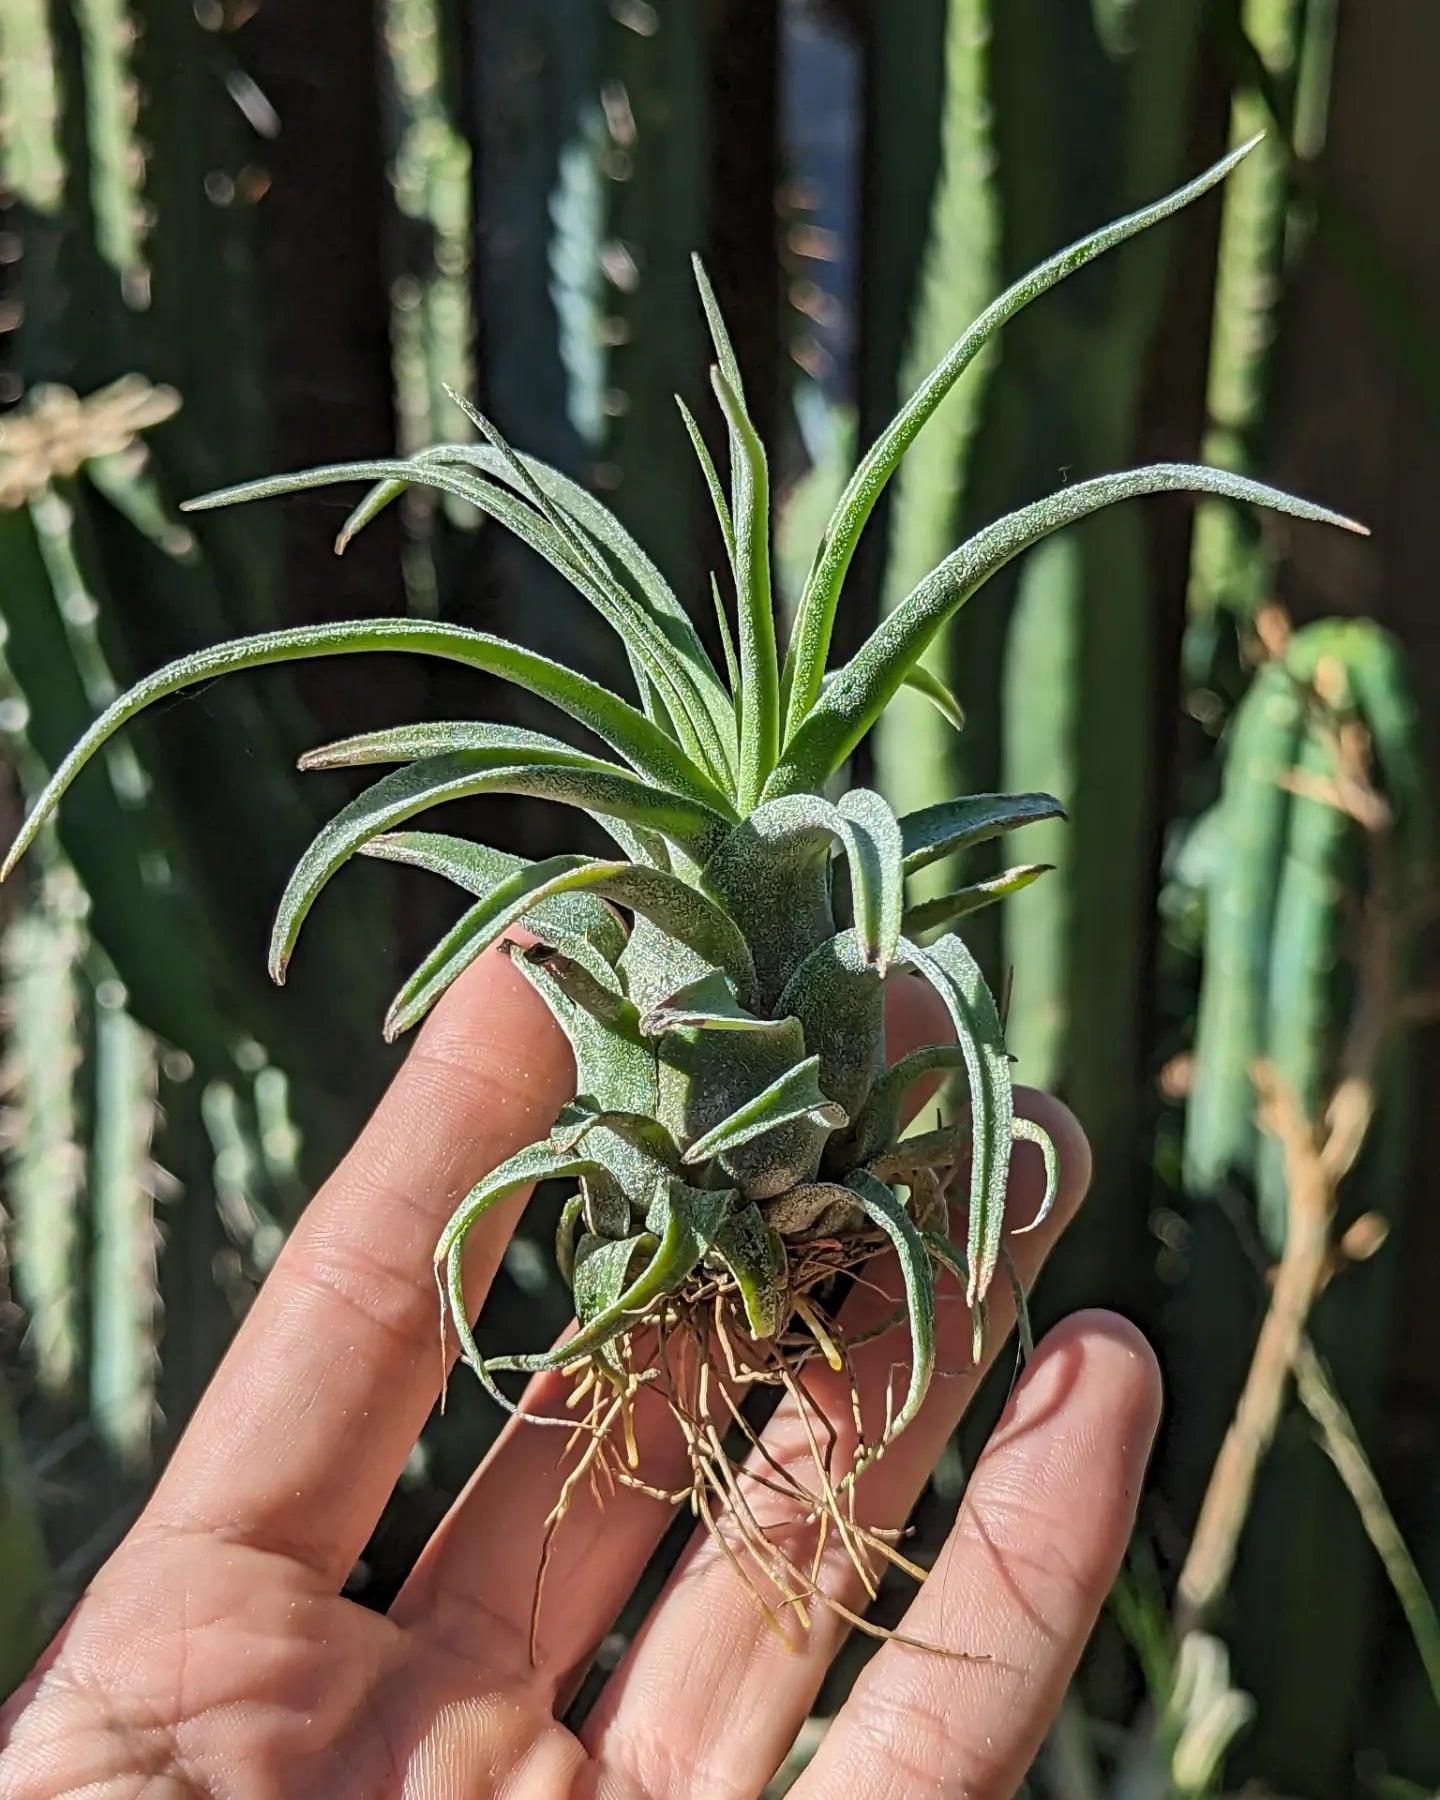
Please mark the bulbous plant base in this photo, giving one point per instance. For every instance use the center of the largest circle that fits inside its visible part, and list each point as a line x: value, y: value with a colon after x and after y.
x: 693, y: 1354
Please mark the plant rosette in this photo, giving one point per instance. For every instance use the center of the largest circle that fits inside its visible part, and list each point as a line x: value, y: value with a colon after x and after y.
x: 735, y: 1141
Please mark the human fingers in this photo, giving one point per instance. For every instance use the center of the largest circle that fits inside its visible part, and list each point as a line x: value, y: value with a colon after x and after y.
x: 464, y: 1589
x: 708, y: 1638
x: 1039, y: 1539
x: 309, y: 1419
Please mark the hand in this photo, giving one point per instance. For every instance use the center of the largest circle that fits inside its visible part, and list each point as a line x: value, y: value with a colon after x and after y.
x: 214, y: 1654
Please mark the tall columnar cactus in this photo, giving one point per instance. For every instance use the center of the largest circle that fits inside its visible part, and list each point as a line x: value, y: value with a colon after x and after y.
x: 592, y: 133
x: 130, y: 173
x: 957, y: 270
x: 1310, y: 896
x: 45, y: 1158
x: 431, y: 319
x: 735, y: 1134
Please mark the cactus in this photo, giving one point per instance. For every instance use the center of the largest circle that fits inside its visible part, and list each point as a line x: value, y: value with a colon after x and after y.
x: 957, y: 275
x: 1309, y: 908
x: 122, y: 1250
x: 45, y: 1157
x: 1238, y: 855
x: 431, y: 326
x: 592, y: 119
x: 136, y: 254
x: 1260, y: 223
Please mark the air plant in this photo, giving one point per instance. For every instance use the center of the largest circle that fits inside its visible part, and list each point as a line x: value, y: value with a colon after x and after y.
x: 736, y: 1134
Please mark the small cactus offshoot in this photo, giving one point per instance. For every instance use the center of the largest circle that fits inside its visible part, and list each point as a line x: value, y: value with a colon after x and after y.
x: 736, y: 1137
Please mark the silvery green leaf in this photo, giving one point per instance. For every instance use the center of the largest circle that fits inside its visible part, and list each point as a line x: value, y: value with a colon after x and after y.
x: 771, y: 873
x: 712, y: 482
x: 944, y: 1148
x: 571, y: 1215
x: 706, y: 1075
x: 927, y: 682
x: 755, y: 1256
x: 1026, y: 1131
x: 706, y: 1004
x: 945, y: 909
x: 795, y: 1095
x: 759, y: 661
x: 719, y: 336
x: 638, y: 1129
x: 644, y: 746
x: 685, y: 1221
x: 602, y: 1275
x: 878, y: 1125
x: 668, y: 902
x: 838, y: 997
x: 874, y: 860
x: 801, y: 1212
x: 955, y: 975
x: 418, y: 786
x: 882, y: 1208
x: 815, y: 618
x: 949, y: 1255
x: 439, y: 737
x: 602, y: 1271
x: 937, y: 831
x: 537, y: 1162
x: 594, y: 518
x: 727, y: 644
x: 671, y: 670
x: 577, y: 925
x: 864, y: 687
x: 688, y: 679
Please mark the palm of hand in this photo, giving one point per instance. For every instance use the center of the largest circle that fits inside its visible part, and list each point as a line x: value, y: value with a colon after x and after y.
x: 215, y: 1653
x: 247, y: 1679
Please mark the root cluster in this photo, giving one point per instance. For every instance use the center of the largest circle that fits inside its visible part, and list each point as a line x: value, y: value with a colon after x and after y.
x: 693, y: 1352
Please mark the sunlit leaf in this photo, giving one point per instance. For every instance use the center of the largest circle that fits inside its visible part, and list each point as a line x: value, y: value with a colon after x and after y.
x: 759, y: 664
x: 815, y: 618
x: 864, y: 687
x: 945, y: 909
x: 667, y: 901
x: 643, y: 745
x: 795, y: 1095
x: 418, y: 786
x: 676, y: 672
x: 884, y: 1209
x: 955, y: 975
x: 937, y: 831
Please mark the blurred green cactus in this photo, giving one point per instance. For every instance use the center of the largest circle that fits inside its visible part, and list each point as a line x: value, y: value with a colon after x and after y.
x: 1312, y: 863
x: 131, y: 191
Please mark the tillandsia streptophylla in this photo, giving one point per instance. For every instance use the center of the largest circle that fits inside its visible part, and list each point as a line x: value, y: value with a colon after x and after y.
x: 735, y: 1136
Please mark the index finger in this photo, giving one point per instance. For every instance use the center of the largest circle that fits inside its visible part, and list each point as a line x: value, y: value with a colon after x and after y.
x: 308, y: 1421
